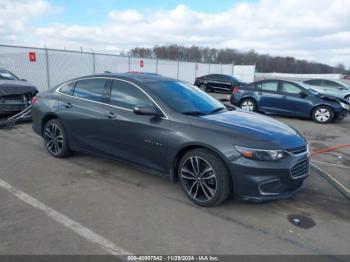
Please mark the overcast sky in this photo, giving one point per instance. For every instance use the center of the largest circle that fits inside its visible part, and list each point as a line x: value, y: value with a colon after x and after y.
x: 317, y: 30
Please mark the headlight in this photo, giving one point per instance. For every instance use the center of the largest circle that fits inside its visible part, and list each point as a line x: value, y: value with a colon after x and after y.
x: 259, y: 154
x: 345, y: 106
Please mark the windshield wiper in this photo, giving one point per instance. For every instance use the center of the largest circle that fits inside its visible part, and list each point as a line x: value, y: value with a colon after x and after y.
x: 194, y: 113
x: 217, y: 110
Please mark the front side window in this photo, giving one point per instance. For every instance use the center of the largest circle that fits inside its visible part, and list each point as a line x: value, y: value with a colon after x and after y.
x: 91, y: 89
x: 290, y: 88
x: 68, y: 88
x: 185, y: 98
x: 126, y: 95
x: 268, y: 86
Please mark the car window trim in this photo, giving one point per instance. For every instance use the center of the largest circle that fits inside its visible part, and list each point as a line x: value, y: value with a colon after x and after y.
x: 269, y: 91
x: 103, y: 95
x: 110, y: 78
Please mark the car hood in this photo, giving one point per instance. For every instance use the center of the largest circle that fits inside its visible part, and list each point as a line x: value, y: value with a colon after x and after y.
x: 256, y: 131
x: 335, y: 92
x: 16, y: 87
x: 333, y: 98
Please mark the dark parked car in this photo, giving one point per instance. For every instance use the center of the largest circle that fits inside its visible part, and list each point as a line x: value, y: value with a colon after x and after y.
x: 175, y: 130
x: 15, y: 94
x: 290, y: 99
x: 216, y: 82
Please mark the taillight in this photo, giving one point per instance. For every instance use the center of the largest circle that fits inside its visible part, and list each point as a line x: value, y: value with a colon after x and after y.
x: 235, y: 90
x: 34, y: 100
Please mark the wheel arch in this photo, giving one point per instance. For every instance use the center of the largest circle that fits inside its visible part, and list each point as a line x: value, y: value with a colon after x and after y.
x: 188, y: 147
x: 45, y: 119
x: 248, y: 97
x: 318, y: 105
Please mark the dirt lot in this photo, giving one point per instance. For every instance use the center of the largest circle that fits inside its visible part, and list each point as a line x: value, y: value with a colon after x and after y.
x: 89, y: 205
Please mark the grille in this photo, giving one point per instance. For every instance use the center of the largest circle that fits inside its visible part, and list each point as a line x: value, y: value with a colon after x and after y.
x: 300, y: 169
x: 298, y: 150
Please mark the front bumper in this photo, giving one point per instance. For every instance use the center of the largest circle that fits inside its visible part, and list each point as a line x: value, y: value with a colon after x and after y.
x: 13, y: 105
x: 260, y: 181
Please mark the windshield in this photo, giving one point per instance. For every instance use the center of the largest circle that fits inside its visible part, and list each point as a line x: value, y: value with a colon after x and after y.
x: 186, y: 98
x: 7, y: 76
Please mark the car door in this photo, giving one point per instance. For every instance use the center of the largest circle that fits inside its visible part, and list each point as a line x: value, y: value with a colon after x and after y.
x: 141, y: 139
x: 83, y: 112
x: 226, y: 83
x: 212, y: 82
x: 268, y: 96
x: 295, y: 100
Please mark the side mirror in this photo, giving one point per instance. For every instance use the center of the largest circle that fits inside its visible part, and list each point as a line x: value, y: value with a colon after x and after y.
x: 303, y: 94
x: 146, y: 111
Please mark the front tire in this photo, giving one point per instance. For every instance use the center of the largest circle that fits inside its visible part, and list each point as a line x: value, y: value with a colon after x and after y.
x: 204, y: 178
x: 55, y: 139
x: 248, y: 104
x: 323, y: 114
x: 347, y: 98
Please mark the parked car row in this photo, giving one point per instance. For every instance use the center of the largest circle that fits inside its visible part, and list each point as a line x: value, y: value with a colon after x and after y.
x: 290, y: 99
x: 320, y: 99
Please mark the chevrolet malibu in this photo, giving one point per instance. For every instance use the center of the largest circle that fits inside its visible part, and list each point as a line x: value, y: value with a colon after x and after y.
x: 176, y: 130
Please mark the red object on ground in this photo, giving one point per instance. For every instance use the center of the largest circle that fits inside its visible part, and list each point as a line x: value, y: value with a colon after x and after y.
x: 141, y: 63
x: 329, y: 149
x: 32, y: 57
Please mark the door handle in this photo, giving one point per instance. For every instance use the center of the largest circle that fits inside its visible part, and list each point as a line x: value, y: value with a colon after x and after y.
x: 67, y: 105
x: 110, y: 115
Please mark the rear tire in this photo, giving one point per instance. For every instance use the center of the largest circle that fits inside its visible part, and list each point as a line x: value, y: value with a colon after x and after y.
x: 248, y: 104
x: 204, y: 178
x: 203, y: 87
x: 55, y: 138
x: 323, y: 114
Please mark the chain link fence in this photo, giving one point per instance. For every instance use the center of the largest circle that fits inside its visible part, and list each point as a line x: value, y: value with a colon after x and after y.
x: 47, y: 68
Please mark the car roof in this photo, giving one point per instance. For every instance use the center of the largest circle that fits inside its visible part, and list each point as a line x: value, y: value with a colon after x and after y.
x: 276, y: 79
x: 140, y: 78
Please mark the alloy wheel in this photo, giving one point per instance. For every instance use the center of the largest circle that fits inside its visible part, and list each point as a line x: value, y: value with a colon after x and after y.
x: 54, y: 138
x: 199, y: 179
x: 322, y: 115
x: 247, y: 105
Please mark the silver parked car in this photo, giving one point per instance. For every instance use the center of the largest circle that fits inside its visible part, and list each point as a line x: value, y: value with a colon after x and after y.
x: 330, y: 87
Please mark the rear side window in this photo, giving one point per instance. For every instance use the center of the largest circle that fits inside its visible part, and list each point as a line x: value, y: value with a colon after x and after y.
x: 268, y: 86
x: 68, y: 88
x: 128, y: 96
x: 290, y: 88
x: 92, y: 89
x: 315, y: 82
x: 331, y: 83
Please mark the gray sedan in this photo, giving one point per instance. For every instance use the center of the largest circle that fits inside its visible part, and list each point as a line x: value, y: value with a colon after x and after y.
x: 330, y: 87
